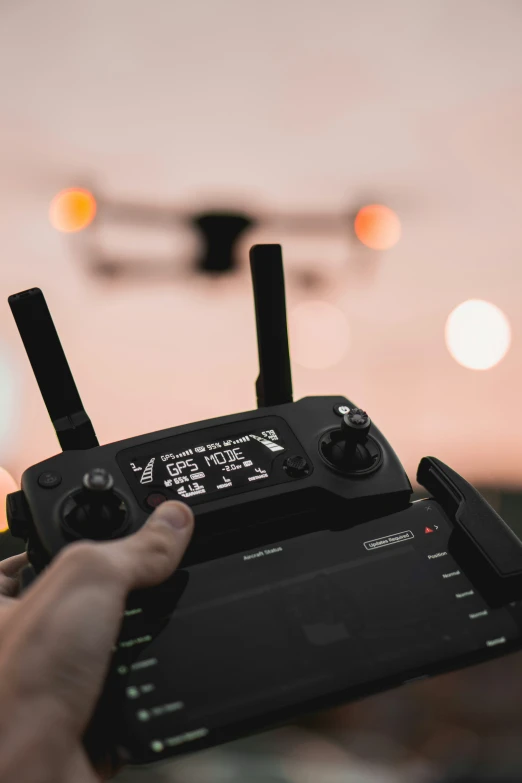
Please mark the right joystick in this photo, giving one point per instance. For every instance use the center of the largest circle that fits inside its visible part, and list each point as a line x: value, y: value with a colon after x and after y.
x: 350, y: 448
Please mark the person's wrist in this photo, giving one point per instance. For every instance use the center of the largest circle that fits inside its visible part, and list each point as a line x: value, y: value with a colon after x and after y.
x: 34, y: 745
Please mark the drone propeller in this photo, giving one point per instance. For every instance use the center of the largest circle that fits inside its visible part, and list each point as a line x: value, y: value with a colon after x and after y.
x: 219, y: 233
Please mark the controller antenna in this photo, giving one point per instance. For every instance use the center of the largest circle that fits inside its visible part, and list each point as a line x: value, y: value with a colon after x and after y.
x: 274, y: 384
x: 42, y: 344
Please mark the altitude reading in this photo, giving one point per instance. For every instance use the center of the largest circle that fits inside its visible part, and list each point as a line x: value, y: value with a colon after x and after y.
x: 211, y: 467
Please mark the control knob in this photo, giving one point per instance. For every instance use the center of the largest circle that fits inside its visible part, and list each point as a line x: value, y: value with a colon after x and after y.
x: 350, y: 447
x: 95, y: 511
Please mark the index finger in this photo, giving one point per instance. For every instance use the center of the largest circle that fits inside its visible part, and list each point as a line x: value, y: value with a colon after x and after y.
x: 12, y: 566
x: 9, y: 571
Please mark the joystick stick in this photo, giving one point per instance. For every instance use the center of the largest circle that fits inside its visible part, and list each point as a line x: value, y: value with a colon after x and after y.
x: 95, y: 511
x: 350, y: 448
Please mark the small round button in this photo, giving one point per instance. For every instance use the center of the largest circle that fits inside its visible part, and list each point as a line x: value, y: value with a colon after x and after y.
x: 341, y: 410
x: 296, y: 466
x: 49, y: 479
x: 155, y: 499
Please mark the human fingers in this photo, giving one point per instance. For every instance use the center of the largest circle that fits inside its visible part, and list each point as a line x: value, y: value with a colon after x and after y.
x: 9, y: 571
x: 66, y: 624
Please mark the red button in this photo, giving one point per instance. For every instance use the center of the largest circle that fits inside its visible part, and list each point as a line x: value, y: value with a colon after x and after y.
x: 155, y: 499
x: 428, y: 530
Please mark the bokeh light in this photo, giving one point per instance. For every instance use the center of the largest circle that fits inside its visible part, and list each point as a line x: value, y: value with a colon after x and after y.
x: 9, y: 400
x: 377, y: 226
x: 319, y: 334
x: 72, y: 209
x: 7, y: 485
x: 477, y: 334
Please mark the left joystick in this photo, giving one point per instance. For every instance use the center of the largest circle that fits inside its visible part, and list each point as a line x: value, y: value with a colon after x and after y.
x: 95, y: 511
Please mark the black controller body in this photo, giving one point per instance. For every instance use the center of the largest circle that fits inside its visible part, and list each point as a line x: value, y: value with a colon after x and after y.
x: 298, y: 427
x: 311, y: 579
x: 298, y: 592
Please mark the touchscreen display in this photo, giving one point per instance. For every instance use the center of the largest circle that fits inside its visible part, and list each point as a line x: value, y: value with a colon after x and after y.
x: 286, y: 628
x: 214, y: 466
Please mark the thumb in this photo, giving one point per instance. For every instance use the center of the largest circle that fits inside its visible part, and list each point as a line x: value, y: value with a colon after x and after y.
x: 150, y: 556
x: 143, y: 559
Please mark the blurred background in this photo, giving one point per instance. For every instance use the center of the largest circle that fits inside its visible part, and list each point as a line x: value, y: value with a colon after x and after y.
x: 144, y: 146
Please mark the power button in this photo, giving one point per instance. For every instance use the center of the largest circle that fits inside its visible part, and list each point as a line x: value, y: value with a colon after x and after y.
x: 49, y: 479
x: 155, y: 499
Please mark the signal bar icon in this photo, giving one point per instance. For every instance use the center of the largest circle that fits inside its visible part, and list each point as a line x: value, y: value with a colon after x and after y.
x: 268, y: 443
x: 186, y: 453
x: 146, y: 477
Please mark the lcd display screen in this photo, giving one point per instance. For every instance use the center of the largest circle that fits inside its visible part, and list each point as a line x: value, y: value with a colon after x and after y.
x: 212, y: 467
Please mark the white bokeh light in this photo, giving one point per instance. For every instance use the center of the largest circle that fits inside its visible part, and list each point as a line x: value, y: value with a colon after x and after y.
x: 319, y: 334
x: 477, y: 334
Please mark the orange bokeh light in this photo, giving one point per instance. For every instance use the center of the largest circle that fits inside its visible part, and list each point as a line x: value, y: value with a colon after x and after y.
x: 377, y: 227
x: 72, y: 209
x: 7, y: 485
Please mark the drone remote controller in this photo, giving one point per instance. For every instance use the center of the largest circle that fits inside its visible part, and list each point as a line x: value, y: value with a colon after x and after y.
x: 312, y: 578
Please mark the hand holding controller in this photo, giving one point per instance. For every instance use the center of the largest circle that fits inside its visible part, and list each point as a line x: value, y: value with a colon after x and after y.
x: 49, y: 689
x: 310, y: 566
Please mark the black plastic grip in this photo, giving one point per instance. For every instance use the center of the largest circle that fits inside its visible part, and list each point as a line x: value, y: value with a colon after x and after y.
x: 474, y: 516
x: 18, y: 514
